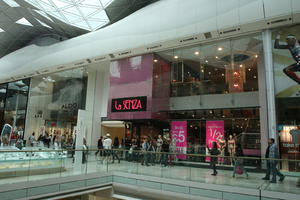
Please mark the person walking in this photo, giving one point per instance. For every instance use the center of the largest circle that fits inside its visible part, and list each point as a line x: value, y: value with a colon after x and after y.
x: 115, y: 153
x: 272, y: 154
x: 239, y: 162
x: 213, y: 160
x: 100, y: 146
x: 107, y: 143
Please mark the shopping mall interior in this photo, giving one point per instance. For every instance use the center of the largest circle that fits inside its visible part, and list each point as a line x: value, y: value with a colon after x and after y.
x: 150, y: 99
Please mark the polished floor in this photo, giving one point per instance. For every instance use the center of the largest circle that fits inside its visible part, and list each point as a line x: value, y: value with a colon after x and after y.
x: 202, y: 175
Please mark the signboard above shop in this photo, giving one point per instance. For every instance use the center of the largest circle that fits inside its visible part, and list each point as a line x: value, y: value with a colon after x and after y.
x: 129, y: 104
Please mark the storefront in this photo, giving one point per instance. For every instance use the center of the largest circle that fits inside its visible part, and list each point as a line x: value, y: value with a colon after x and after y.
x: 13, y: 105
x: 287, y: 93
x: 54, y: 102
x: 184, y: 90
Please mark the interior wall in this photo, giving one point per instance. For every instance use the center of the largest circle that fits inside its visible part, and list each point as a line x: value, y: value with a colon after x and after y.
x: 114, y: 132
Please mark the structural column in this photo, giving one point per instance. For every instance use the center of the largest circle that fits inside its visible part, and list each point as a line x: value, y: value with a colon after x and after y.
x: 269, y: 75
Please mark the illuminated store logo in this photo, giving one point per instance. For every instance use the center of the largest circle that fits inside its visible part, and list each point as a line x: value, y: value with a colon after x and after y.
x: 129, y: 104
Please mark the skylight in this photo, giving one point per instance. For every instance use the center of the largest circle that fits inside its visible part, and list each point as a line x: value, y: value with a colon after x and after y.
x: 24, y: 21
x: 11, y: 3
x: 43, y: 24
x: 86, y: 14
x: 1, y: 30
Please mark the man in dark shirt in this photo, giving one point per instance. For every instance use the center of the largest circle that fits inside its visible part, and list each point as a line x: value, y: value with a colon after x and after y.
x: 268, y: 172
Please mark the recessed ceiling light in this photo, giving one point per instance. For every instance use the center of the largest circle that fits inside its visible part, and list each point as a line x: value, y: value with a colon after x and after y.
x: 155, y: 60
x: 220, y: 49
x: 206, y: 61
x: 176, y: 57
x: 197, y: 52
x: 202, y: 70
x: 241, y: 65
x: 249, y: 69
x: 254, y: 76
x: 256, y: 56
x: 223, y: 74
x: 217, y: 57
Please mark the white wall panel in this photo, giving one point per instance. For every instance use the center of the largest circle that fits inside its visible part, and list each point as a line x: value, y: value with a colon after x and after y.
x: 162, y: 21
x: 295, y: 6
x: 227, y: 13
x: 250, y: 10
x: 277, y: 7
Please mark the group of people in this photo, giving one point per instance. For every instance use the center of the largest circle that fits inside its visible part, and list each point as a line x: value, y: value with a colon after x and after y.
x: 56, y: 140
x: 272, y: 156
x: 107, y: 149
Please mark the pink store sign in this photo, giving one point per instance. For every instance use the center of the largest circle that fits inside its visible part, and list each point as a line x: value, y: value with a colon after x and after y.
x: 214, y: 131
x: 179, y: 132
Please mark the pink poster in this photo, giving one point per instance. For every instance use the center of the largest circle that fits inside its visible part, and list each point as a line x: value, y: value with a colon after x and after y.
x: 179, y: 132
x: 214, y: 130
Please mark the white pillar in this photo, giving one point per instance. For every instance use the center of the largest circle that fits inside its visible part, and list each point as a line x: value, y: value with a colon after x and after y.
x: 268, y: 61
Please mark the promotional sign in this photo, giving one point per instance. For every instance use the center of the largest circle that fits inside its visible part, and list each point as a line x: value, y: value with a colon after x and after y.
x: 129, y: 104
x: 179, y: 132
x: 214, y: 131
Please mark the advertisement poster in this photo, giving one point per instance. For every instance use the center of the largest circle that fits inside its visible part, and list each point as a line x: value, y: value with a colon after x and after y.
x: 179, y: 131
x: 214, y: 130
x: 286, y: 61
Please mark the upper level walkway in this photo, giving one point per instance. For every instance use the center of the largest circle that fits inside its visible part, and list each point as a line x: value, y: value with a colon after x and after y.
x: 36, y: 177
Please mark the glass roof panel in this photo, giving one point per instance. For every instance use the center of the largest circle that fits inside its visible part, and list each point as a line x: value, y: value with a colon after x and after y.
x: 76, y: 12
x: 11, y: 3
x: 1, y: 30
x: 24, y: 21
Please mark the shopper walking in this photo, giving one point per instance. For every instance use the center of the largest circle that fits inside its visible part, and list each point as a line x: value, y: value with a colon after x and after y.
x: 100, y: 146
x: 274, y: 154
x: 165, y: 150
x: 239, y: 162
x: 107, y: 143
x: 214, y: 159
x: 145, y: 148
x: 115, y: 151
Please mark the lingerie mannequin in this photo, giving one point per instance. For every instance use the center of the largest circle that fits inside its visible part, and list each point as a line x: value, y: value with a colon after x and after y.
x: 222, y: 145
x: 231, y: 148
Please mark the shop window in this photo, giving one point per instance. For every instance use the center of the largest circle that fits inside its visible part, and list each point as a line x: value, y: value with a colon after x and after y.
x: 219, y: 68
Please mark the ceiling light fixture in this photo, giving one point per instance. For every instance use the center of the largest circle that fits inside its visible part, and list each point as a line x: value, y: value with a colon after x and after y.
x: 176, y: 57
x: 155, y: 60
x: 197, y: 52
x: 220, y: 49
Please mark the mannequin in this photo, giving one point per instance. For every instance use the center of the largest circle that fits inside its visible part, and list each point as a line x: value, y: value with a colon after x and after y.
x: 231, y: 148
x: 222, y: 145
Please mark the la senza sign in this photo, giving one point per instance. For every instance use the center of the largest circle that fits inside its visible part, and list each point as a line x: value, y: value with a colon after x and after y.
x: 129, y: 104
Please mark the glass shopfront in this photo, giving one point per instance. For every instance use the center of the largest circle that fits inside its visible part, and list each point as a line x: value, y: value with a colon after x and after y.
x: 13, y: 105
x: 54, y: 103
x: 224, y: 67
x: 286, y: 58
x: 212, y: 83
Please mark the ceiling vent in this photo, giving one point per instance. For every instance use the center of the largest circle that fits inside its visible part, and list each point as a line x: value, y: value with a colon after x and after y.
x: 125, y: 53
x: 188, y: 39
x: 279, y: 21
x: 61, y: 67
x: 79, y: 63
x: 233, y: 30
x: 154, y: 47
x: 98, y: 59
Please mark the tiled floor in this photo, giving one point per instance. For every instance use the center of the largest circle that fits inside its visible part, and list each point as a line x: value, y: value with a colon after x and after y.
x: 202, y: 175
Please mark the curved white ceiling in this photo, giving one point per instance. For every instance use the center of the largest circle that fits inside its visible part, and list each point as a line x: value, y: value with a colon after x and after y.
x: 86, y: 14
